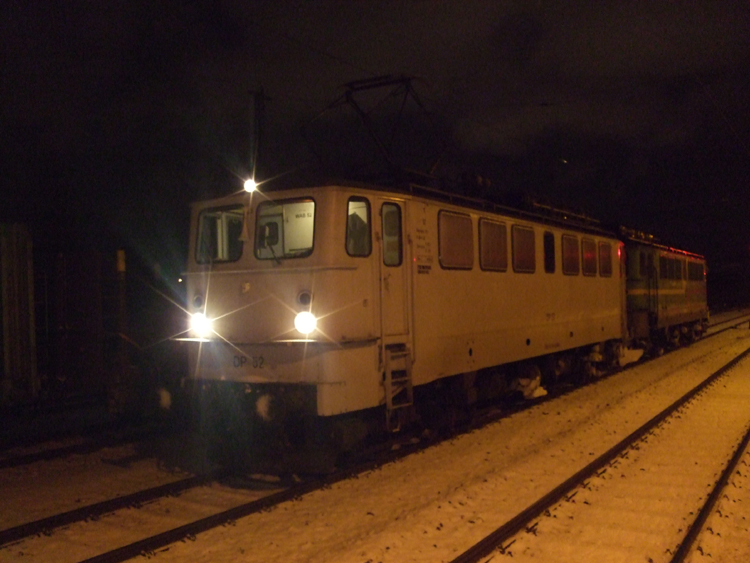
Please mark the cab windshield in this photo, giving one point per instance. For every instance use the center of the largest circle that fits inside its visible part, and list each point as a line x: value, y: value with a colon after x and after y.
x: 220, y: 234
x: 284, y: 229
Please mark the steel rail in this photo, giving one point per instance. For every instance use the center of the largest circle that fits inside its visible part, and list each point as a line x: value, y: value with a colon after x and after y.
x: 496, y: 538
x: 743, y: 316
x: 697, y: 526
x: 151, y: 544
x: 171, y: 536
x: 45, y: 525
x: 88, y: 445
x: 52, y: 453
x: 736, y: 324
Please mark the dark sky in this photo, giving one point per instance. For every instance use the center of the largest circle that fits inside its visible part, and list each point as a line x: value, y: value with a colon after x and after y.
x: 115, y: 115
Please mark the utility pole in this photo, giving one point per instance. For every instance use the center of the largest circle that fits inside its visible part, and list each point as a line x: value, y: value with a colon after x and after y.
x: 257, y: 112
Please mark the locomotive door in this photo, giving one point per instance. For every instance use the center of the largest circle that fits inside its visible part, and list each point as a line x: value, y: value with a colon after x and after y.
x: 394, y: 281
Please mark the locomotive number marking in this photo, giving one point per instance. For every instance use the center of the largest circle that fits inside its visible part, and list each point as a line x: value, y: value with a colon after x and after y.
x: 256, y: 362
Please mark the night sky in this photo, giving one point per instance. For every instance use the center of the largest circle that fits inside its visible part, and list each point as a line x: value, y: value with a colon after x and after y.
x: 115, y: 115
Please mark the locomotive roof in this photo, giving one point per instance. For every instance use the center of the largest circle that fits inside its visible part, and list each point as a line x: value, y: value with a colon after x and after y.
x: 528, y: 209
x: 646, y: 239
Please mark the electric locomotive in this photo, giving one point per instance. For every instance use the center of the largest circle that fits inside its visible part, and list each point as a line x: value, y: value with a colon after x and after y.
x: 341, y: 308
x: 666, y: 293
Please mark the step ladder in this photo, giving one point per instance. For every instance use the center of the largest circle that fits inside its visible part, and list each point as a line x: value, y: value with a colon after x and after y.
x: 399, y: 390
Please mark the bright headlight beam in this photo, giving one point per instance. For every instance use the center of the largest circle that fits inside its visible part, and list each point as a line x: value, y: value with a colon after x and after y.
x: 201, y: 325
x: 305, y: 322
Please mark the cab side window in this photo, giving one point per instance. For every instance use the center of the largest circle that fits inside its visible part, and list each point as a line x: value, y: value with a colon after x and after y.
x: 358, y: 232
x: 392, y: 245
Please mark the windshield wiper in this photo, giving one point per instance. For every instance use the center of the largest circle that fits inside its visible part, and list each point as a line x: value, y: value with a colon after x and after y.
x: 273, y: 253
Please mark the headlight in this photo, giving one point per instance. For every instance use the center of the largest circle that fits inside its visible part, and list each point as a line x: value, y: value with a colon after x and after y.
x: 200, y: 325
x: 305, y: 322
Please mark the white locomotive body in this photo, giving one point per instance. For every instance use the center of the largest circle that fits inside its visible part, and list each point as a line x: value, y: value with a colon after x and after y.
x: 340, y: 298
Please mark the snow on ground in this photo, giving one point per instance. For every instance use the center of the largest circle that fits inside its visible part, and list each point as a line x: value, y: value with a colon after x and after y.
x: 639, y: 508
x: 726, y: 533
x: 427, y: 507
x: 433, y: 505
x: 45, y: 488
x: 82, y: 540
x: 725, y: 318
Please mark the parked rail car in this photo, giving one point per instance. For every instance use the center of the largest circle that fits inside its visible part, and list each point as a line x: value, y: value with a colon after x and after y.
x: 20, y: 383
x: 319, y: 302
x: 79, y: 330
x: 666, y: 294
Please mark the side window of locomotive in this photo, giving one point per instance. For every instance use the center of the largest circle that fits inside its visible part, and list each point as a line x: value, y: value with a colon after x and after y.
x: 630, y: 256
x: 571, y: 255
x: 220, y: 235
x: 358, y: 236
x: 642, y: 271
x: 605, y: 259
x: 671, y: 268
x: 524, y: 249
x: 455, y: 241
x: 391, y: 234
x: 643, y: 264
x: 663, y: 267
x: 588, y: 248
x: 284, y: 229
x: 493, y: 246
x: 549, y: 252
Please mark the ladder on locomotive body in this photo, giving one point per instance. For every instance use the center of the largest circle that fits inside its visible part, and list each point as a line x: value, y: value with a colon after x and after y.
x: 399, y: 389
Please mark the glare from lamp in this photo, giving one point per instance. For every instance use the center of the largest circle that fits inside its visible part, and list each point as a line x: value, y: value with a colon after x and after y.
x: 201, y: 325
x: 250, y: 185
x: 305, y: 322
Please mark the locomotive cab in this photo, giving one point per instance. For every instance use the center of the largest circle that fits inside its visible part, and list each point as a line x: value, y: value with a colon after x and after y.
x: 288, y: 314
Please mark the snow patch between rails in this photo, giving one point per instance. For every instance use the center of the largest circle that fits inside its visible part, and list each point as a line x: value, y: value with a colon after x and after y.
x: 630, y: 355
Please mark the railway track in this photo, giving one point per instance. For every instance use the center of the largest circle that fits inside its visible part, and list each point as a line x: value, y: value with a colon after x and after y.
x: 449, y: 505
x: 639, y: 499
x: 223, y: 497
x: 78, y: 445
x: 724, y: 324
x: 139, y: 518
x: 144, y: 521
x: 222, y: 508
x: 94, y: 511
